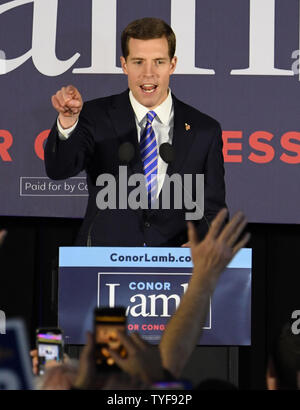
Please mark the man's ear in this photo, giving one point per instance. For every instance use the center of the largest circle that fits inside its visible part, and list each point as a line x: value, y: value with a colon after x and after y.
x: 123, y: 65
x: 173, y: 64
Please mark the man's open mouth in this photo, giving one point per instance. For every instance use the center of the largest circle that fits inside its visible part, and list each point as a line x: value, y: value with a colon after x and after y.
x: 148, y: 88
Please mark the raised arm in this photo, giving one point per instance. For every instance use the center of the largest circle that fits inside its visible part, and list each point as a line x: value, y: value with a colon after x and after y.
x: 210, y: 257
x: 70, y: 142
x: 68, y: 103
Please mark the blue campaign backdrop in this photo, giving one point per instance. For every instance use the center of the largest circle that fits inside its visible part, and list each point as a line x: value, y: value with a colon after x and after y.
x: 237, y: 61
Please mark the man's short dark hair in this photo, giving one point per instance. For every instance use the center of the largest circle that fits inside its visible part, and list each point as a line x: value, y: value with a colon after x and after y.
x: 148, y: 28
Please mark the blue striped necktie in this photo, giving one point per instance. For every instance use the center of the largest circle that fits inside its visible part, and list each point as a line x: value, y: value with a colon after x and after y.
x: 148, y: 147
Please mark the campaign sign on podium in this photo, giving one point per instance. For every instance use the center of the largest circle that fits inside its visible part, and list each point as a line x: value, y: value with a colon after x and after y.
x: 149, y: 282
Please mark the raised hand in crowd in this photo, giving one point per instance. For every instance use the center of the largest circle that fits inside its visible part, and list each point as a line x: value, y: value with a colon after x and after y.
x: 86, y: 374
x: 142, y: 361
x: 59, y: 377
x: 35, y: 361
x: 210, y: 257
x: 68, y: 103
x: 49, y: 364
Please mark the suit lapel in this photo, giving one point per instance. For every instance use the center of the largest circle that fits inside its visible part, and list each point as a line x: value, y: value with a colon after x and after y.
x: 183, y: 136
x: 123, y: 120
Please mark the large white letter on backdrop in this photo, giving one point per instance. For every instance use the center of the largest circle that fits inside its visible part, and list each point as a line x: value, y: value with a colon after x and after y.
x: 104, y: 32
x: 262, y: 41
x: 183, y: 22
x: 43, y: 39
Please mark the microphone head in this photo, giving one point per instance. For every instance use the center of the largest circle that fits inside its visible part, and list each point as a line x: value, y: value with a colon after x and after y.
x: 166, y: 151
x: 126, y: 152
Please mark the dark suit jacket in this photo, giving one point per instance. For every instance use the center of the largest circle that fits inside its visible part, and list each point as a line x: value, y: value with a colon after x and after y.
x: 106, y: 123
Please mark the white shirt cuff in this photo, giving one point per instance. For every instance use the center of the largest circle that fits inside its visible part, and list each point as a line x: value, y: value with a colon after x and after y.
x: 64, y: 133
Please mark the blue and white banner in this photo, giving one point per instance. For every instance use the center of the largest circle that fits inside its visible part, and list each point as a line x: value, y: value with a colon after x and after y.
x: 149, y: 282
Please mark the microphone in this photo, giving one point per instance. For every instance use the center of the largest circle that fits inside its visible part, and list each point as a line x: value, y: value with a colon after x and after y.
x: 167, y: 153
x: 126, y: 152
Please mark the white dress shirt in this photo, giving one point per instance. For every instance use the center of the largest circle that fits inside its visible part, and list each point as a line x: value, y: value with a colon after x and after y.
x: 163, y: 126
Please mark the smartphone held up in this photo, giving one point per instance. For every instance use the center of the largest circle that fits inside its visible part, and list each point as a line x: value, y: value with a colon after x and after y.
x: 50, y: 347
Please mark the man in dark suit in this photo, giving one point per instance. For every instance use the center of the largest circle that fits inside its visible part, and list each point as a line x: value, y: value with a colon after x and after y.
x: 92, y: 136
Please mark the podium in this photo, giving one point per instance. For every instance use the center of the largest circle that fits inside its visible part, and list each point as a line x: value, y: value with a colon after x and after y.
x: 149, y: 282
